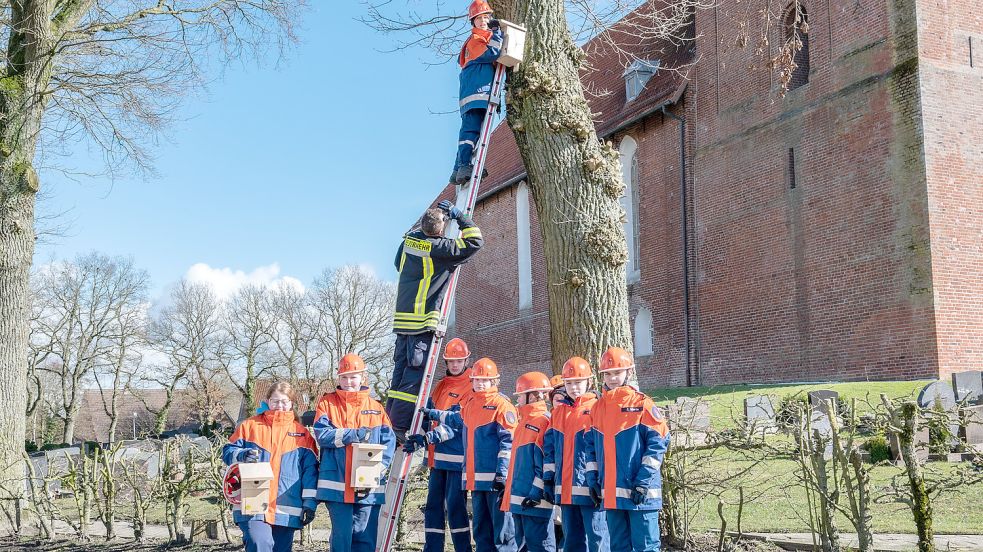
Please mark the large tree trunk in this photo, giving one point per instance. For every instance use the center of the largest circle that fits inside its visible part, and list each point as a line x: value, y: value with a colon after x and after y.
x: 576, y: 183
x: 21, y: 106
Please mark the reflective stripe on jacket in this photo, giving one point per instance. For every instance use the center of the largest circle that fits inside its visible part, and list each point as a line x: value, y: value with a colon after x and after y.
x: 338, y: 417
x: 449, y: 393
x: 628, y: 440
x: 477, y: 61
x: 565, y: 450
x: 526, y: 470
x: 487, y: 420
x: 425, y: 264
x: 289, y: 448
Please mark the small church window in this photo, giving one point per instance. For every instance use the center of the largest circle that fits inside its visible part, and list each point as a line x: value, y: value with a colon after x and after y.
x: 797, y: 34
x: 636, y: 75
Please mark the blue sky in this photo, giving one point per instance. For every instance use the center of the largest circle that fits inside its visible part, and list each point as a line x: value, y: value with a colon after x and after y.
x: 321, y: 161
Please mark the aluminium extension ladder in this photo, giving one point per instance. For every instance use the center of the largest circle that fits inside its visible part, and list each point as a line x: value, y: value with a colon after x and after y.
x: 400, y: 468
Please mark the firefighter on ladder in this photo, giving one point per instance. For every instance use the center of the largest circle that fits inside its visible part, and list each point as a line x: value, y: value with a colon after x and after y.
x: 446, y: 496
x: 487, y: 421
x: 584, y: 524
x: 425, y: 261
x: 526, y: 498
x: 627, y: 443
x: 477, y: 61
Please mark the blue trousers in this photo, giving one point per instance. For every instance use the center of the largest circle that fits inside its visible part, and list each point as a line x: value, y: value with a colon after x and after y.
x: 642, y: 526
x: 534, y: 533
x: 410, y: 358
x: 354, y: 527
x: 446, y: 497
x: 259, y: 536
x: 493, y: 530
x: 466, y: 139
x: 584, y: 528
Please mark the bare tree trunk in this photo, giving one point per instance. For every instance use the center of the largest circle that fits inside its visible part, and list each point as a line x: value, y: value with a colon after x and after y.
x: 576, y: 182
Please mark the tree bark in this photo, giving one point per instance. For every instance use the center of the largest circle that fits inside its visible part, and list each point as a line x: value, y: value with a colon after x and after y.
x: 21, y: 105
x: 921, y: 502
x: 576, y: 183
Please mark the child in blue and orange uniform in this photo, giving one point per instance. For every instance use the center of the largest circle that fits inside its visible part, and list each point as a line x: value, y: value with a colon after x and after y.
x: 445, y: 494
x: 584, y: 524
x: 342, y: 417
x: 627, y: 443
x: 477, y: 60
x: 277, y: 437
x: 526, y: 498
x: 487, y: 421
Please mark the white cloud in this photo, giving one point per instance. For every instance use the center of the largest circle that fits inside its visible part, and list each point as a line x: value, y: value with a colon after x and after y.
x: 226, y: 281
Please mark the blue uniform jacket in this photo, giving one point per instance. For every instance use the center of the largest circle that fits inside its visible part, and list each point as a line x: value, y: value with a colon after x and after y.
x: 565, y: 449
x: 627, y: 442
x: 289, y: 448
x: 526, y: 472
x: 477, y: 62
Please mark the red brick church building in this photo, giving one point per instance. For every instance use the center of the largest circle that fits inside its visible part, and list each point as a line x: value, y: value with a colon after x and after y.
x: 833, y: 234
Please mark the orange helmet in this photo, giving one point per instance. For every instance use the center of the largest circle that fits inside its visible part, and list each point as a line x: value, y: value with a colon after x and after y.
x: 556, y: 381
x: 351, y: 364
x: 616, y: 358
x: 484, y: 368
x: 532, y: 381
x: 456, y: 349
x: 577, y: 369
x: 477, y: 8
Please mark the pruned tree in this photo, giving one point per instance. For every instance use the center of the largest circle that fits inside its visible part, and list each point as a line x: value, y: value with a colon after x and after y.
x: 355, y: 309
x: 110, y: 72
x: 84, y: 307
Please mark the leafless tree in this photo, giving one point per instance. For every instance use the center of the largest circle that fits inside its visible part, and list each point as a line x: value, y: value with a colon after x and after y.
x: 245, y: 346
x: 302, y: 357
x: 110, y: 72
x: 184, y: 332
x: 84, y: 305
x: 356, y: 312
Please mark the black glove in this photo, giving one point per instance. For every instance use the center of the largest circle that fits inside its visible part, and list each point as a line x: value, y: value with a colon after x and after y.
x: 363, y: 434
x: 449, y: 208
x: 249, y: 456
x: 638, y: 495
x: 414, y: 443
x: 530, y: 502
x: 494, y: 24
x: 430, y: 414
x: 595, y: 494
x: 499, y: 484
x: 360, y: 494
x: 307, y: 518
x: 549, y: 489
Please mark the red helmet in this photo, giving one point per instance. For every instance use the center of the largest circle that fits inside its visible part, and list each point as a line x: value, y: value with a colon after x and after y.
x: 556, y: 381
x: 616, y: 358
x: 232, y: 484
x: 351, y: 364
x: 456, y: 349
x: 577, y: 369
x: 484, y: 368
x: 477, y: 8
x: 532, y: 381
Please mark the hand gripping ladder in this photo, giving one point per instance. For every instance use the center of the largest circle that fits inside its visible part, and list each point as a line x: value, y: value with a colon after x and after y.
x: 396, y: 488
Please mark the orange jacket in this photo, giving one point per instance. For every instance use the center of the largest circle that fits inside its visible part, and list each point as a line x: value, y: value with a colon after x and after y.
x: 565, y: 450
x: 341, y: 418
x: 289, y: 448
x: 450, y: 392
x: 526, y: 469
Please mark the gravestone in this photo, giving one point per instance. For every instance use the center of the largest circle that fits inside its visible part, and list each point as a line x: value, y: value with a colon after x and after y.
x: 819, y: 422
x: 939, y: 395
x: 760, y: 415
x: 818, y: 399
x: 972, y: 431
x: 968, y: 387
x: 689, y: 421
x: 921, y: 443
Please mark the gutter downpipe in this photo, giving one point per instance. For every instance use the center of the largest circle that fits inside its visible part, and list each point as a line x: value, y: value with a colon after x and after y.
x: 690, y: 379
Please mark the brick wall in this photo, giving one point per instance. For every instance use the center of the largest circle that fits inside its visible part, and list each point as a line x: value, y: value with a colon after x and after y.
x: 951, y: 90
x: 869, y: 268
